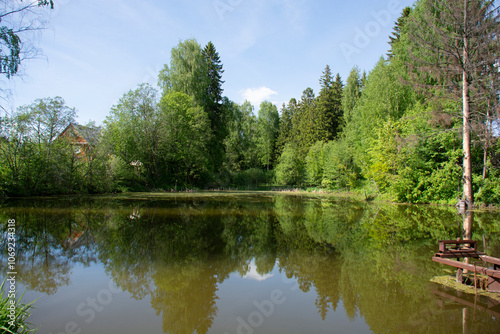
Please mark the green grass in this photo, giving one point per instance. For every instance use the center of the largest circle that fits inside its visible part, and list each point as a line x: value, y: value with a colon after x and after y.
x: 22, y: 312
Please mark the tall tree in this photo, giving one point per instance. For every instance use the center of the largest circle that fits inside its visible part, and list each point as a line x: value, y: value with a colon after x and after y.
x: 213, y: 94
x: 241, y: 141
x: 47, y: 118
x: 329, y: 107
x: 454, y: 42
x: 383, y: 98
x: 198, y: 73
x: 132, y: 131
x: 396, y: 34
x: 185, y: 138
x: 286, y: 126
x: 351, y: 93
x: 213, y: 102
x: 187, y: 72
x: 364, y: 80
x: 267, y: 129
x: 305, y: 123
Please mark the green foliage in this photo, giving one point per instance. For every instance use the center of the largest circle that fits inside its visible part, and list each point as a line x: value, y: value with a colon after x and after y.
x: 214, y: 104
x: 329, y: 106
x: 315, y: 164
x: 351, y: 94
x: 400, y: 26
x: 132, y: 131
x: 488, y: 189
x: 267, y: 133
x: 187, y: 71
x: 12, y: 48
x: 241, y: 141
x: 286, y: 126
x: 384, y: 97
x: 40, y: 162
x: 305, y: 123
x: 340, y: 170
x: 185, y: 137
x: 384, y: 160
x: 252, y: 178
x: 290, y: 169
x: 377, y: 130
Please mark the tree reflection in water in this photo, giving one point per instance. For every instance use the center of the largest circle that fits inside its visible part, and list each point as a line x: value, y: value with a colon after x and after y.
x: 371, y: 260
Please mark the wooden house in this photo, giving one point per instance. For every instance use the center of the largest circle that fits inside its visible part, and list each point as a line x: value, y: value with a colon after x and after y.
x: 83, y: 138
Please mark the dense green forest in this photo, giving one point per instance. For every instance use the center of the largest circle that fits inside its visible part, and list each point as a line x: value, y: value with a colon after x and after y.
x: 397, y: 131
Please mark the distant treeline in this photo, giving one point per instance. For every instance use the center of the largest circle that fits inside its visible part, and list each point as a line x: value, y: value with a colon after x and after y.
x: 396, y: 132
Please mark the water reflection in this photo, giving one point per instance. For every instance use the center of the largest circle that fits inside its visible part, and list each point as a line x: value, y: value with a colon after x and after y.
x: 371, y: 261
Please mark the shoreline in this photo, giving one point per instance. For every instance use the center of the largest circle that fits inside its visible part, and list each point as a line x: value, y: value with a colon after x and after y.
x: 311, y: 192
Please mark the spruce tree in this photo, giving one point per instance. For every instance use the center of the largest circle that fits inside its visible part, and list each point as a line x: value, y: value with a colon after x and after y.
x: 305, y: 122
x: 285, y: 127
x: 396, y: 34
x: 329, y: 108
x: 351, y: 93
x: 212, y: 101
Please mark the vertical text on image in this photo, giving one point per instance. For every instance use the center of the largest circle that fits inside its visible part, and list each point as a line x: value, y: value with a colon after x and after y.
x: 11, y: 272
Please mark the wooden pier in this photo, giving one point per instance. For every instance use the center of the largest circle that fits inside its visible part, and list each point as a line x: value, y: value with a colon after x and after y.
x: 467, y: 249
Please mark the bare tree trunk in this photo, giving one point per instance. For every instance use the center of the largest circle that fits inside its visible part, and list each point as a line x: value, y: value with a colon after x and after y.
x: 467, y: 162
x: 486, y: 145
x: 468, y: 222
x: 468, y: 218
x: 468, y: 195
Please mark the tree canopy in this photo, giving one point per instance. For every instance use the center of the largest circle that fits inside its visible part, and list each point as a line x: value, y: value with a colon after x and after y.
x: 412, y: 129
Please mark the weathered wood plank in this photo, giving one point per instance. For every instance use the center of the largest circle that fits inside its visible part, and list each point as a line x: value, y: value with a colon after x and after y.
x: 490, y: 259
x: 444, y: 249
x: 451, y: 254
x: 466, y: 266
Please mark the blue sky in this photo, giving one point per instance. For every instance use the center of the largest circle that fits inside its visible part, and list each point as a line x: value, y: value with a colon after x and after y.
x: 95, y: 50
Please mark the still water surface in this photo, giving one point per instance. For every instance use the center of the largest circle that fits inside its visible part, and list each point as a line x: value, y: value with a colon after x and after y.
x: 241, y: 263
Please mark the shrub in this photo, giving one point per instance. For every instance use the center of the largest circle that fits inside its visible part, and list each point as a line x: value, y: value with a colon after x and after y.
x: 290, y: 170
x: 252, y: 177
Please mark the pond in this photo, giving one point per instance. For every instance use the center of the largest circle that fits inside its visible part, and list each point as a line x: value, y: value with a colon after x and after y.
x: 241, y: 262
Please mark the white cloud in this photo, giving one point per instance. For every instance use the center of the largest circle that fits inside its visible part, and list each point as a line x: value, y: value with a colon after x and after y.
x: 253, y: 275
x: 257, y: 95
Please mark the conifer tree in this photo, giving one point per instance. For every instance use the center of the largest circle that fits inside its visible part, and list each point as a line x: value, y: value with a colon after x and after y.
x: 267, y: 132
x: 329, y: 108
x: 285, y: 127
x: 305, y: 123
x: 213, y: 102
x: 213, y: 91
x: 396, y: 34
x: 351, y: 93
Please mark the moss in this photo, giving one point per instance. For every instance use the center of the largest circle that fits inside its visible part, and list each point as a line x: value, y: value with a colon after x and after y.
x: 450, y: 281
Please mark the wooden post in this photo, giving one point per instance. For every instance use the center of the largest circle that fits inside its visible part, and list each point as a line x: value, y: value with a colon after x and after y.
x: 475, y: 279
x: 460, y: 273
x: 467, y: 232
